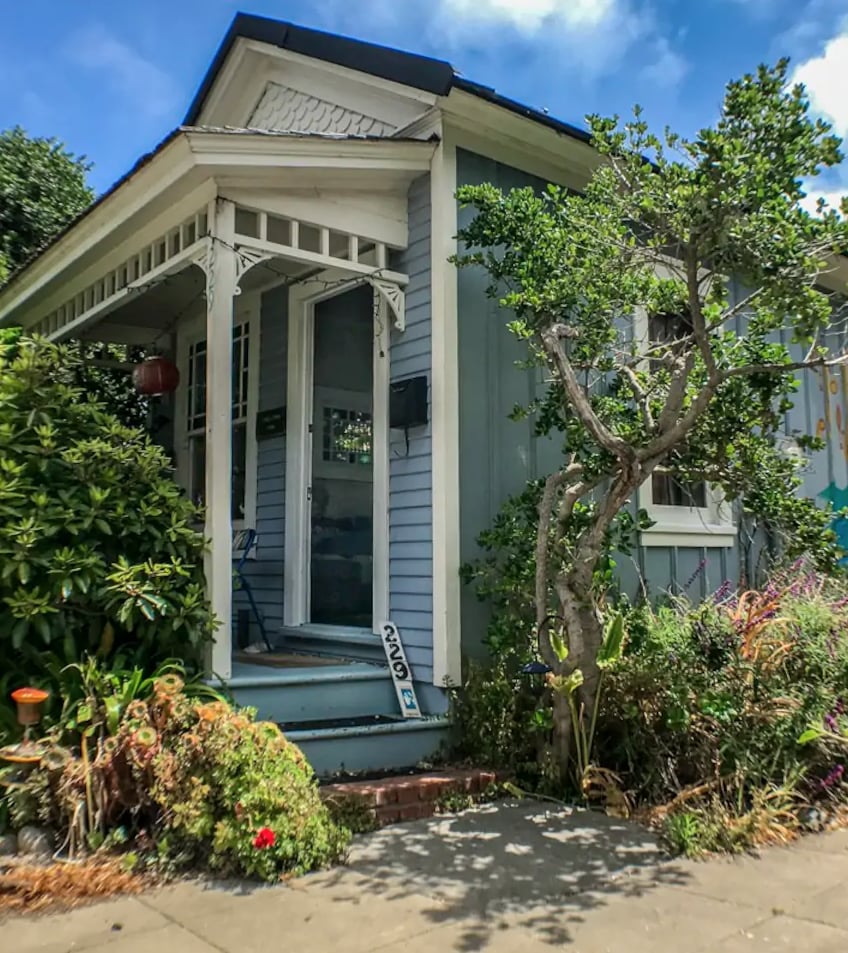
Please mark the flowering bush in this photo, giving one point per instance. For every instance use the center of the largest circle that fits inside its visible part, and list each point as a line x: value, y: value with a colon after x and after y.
x: 713, y: 698
x: 188, y: 782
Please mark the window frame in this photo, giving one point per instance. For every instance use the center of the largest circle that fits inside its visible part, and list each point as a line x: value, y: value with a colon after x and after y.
x: 192, y: 331
x: 712, y: 525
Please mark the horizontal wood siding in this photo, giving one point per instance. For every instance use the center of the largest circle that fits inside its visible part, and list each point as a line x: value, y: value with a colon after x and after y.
x: 411, y: 481
x: 265, y: 573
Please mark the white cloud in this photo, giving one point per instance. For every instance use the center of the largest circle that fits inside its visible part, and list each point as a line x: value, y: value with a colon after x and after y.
x: 826, y: 79
x: 530, y: 16
x: 142, y: 82
x: 667, y: 68
x: 584, y: 38
x: 833, y: 197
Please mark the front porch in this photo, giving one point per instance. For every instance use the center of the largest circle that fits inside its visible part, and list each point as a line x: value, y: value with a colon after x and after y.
x: 288, y: 278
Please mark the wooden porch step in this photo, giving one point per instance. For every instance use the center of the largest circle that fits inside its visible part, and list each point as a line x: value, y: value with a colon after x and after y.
x: 314, y: 693
x: 376, y: 744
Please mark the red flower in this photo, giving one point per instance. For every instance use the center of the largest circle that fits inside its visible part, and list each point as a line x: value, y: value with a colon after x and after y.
x: 265, y: 837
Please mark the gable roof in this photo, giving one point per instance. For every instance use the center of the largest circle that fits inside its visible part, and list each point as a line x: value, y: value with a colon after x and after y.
x: 407, y: 69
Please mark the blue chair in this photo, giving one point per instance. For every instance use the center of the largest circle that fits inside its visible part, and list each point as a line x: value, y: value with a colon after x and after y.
x: 244, y: 540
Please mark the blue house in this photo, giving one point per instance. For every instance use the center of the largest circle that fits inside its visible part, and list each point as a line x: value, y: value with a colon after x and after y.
x: 344, y: 389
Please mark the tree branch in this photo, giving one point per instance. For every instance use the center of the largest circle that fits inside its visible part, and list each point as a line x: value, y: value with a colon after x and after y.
x: 580, y: 404
x: 812, y: 364
x: 696, y: 315
x: 640, y: 396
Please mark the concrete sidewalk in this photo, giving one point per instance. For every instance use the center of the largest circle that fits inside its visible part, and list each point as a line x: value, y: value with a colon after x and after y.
x: 510, y: 878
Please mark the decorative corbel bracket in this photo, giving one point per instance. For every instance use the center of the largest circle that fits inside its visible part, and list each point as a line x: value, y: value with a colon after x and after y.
x: 395, y: 299
x: 246, y: 258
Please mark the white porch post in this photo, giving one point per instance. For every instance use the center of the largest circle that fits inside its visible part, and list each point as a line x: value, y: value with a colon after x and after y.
x: 221, y: 278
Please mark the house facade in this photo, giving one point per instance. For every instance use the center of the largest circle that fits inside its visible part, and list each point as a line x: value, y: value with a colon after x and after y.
x: 344, y: 389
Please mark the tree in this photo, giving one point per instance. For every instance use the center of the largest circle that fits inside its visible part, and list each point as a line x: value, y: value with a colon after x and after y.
x: 42, y: 188
x: 99, y: 550
x: 666, y: 229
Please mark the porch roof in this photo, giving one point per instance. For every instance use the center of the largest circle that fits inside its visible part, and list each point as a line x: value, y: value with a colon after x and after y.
x: 189, y: 165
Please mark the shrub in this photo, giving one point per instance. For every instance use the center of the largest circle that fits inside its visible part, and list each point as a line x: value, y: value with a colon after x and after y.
x: 98, y: 550
x: 501, y: 718
x: 706, y: 708
x: 185, y: 781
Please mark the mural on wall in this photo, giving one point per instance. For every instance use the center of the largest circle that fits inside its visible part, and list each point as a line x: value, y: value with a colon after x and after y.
x: 832, y: 427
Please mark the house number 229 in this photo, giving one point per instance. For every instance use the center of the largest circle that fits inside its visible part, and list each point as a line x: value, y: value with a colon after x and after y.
x: 401, y: 673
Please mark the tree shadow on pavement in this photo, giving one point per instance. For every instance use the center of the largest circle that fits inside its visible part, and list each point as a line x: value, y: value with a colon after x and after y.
x: 504, y: 865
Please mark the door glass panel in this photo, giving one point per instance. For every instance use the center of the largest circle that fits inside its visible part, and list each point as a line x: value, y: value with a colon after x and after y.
x: 341, y: 570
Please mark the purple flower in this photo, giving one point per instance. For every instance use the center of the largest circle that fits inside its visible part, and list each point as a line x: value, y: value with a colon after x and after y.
x: 834, y: 776
x: 830, y: 723
x: 702, y: 565
x: 723, y: 591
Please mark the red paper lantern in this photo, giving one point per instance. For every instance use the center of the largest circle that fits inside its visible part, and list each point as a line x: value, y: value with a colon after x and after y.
x: 156, y: 376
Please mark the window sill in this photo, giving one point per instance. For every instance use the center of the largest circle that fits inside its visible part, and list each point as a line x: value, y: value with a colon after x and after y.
x: 697, y: 535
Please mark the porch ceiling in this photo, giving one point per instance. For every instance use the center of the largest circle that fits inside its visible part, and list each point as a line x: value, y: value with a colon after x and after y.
x: 167, y: 195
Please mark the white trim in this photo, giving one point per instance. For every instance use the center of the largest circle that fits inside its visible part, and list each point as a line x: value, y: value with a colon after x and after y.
x: 711, y: 525
x: 380, y: 417
x: 298, y: 452
x: 380, y: 218
x: 190, y: 162
x: 517, y: 141
x: 445, y: 418
x: 257, y: 149
x: 252, y: 64
x: 298, y: 538
x: 221, y: 278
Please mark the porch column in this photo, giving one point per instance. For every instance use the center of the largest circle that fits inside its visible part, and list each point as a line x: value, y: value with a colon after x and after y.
x: 221, y: 280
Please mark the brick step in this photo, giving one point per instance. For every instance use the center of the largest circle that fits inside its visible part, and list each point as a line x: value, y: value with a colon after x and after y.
x: 409, y: 798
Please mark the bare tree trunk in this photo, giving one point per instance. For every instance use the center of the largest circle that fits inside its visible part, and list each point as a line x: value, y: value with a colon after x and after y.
x: 584, y: 634
x: 563, y: 737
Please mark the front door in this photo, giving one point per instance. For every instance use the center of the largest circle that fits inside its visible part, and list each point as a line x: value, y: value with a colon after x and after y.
x: 341, y: 483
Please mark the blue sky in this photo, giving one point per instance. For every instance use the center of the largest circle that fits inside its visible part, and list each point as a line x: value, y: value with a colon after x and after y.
x: 112, y: 78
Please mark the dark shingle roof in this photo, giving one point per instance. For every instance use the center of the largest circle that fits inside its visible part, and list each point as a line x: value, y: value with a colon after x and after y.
x: 408, y: 69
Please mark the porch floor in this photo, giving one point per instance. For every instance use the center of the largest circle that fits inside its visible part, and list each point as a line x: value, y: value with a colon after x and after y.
x: 283, y: 660
x: 321, y: 669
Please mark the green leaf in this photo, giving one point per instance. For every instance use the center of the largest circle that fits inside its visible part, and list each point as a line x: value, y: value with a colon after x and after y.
x: 573, y: 682
x: 113, y: 713
x: 559, y: 647
x: 19, y: 631
x: 811, y: 734
x: 84, y: 713
x: 613, y: 644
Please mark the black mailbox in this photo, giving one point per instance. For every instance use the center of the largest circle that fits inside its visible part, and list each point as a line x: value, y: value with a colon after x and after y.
x: 408, y: 403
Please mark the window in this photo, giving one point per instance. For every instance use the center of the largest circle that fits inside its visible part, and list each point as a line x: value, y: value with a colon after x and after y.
x: 243, y: 455
x: 684, y: 514
x: 346, y: 436
x: 343, y: 434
